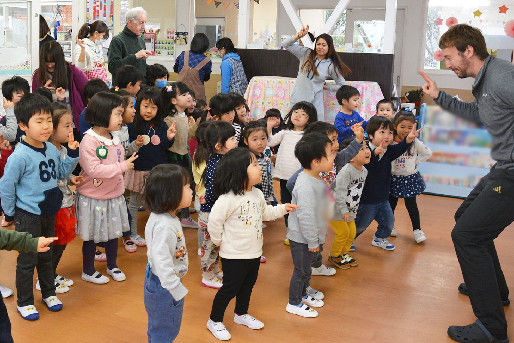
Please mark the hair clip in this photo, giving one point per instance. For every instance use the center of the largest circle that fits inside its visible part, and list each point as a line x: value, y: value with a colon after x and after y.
x: 169, y: 88
x: 116, y: 88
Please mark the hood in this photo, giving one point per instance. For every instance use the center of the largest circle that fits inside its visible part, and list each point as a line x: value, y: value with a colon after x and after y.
x: 232, y: 55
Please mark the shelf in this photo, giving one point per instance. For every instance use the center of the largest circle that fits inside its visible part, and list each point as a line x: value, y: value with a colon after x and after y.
x: 457, y: 149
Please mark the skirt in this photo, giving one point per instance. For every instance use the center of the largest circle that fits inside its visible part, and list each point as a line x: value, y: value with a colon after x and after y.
x: 407, y: 186
x: 97, y: 73
x: 101, y: 220
x: 65, y: 225
x: 135, y: 180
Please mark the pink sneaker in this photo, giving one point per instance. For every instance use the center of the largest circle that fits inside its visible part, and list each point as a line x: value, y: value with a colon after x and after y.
x: 263, y: 259
x: 130, y: 246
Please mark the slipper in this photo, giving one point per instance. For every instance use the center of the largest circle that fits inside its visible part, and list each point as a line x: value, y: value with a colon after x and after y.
x: 473, y: 333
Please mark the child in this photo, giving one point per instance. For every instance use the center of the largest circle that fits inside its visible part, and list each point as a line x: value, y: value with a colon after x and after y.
x: 385, y: 109
x: 235, y: 224
x: 406, y: 181
x: 222, y: 108
x: 176, y: 100
x: 129, y: 78
x: 349, y: 99
x: 167, y: 191
x: 219, y: 139
x: 30, y: 194
x: 156, y: 75
x: 308, y: 224
x: 129, y: 112
x: 349, y: 185
x: 300, y: 115
x: 274, y: 117
x: 374, y: 204
x: 157, y: 139
x: 241, y: 116
x: 100, y: 204
x: 92, y: 87
x: 199, y: 163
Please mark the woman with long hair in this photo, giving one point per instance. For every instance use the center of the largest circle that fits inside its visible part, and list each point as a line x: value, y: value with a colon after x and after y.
x: 316, y: 66
x: 90, y: 57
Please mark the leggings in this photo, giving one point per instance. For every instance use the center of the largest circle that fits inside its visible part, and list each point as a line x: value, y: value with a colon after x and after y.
x: 57, y: 251
x: 88, y: 255
x: 412, y: 208
x: 285, y: 196
x: 133, y: 207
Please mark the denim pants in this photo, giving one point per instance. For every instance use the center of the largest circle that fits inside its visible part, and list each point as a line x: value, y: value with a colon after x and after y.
x: 380, y: 212
x: 301, y: 278
x: 164, y: 312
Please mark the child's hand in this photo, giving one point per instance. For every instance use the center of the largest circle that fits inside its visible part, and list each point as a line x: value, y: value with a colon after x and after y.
x: 201, y: 199
x: 270, y: 124
x: 48, y: 85
x: 8, y: 103
x: 77, y: 180
x: 72, y: 143
x: 381, y: 149
x: 140, y: 141
x: 60, y: 94
x: 413, y: 134
x: 325, y: 87
x: 130, y: 161
x: 291, y: 207
x: 4, y: 144
x: 346, y: 217
x: 80, y: 42
x: 315, y: 249
x: 358, y: 130
x: 172, y: 131
x: 43, y: 243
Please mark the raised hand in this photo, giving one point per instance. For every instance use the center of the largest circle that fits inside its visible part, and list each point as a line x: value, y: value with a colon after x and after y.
x: 8, y: 103
x: 80, y: 42
x: 413, y: 134
x: 302, y: 32
x: 43, y: 243
x: 358, y: 131
x: 172, y: 131
x: 60, y: 94
x: 130, y: 161
x: 72, y: 143
x: 140, y: 141
x: 291, y: 207
x: 4, y: 144
x: 48, y: 85
x: 77, y: 180
x: 381, y: 149
x: 430, y: 87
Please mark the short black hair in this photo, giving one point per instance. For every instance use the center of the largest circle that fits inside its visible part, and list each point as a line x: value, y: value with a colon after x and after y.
x: 154, y: 72
x: 14, y: 84
x: 92, y: 87
x: 200, y: 43
x: 274, y: 113
x: 376, y: 123
x: 163, y: 187
x: 199, y: 113
x: 152, y: 94
x: 253, y: 126
x: 217, y: 132
x: 385, y: 101
x: 345, y: 92
x: 346, y: 142
x: 127, y: 74
x: 307, y: 107
x: 44, y: 92
x: 201, y: 103
x: 231, y: 172
x: 311, y: 147
x: 321, y: 127
x: 169, y: 92
x: 221, y: 103
x: 30, y: 105
x: 58, y: 111
x: 100, y: 106
x: 226, y: 43
x: 237, y: 99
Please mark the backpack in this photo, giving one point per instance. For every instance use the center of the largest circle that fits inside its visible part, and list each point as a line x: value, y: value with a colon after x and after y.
x: 238, y: 81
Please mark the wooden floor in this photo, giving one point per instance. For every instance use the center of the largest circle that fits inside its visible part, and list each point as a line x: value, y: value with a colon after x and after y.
x: 409, y: 295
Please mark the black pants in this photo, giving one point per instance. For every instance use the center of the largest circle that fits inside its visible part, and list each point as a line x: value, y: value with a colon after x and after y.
x: 485, y: 213
x: 412, y: 208
x: 239, y: 277
x: 37, y: 226
x: 5, y: 324
x: 285, y: 196
x: 57, y: 252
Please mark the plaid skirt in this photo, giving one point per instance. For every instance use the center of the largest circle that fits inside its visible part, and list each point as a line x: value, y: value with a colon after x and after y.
x: 97, y: 73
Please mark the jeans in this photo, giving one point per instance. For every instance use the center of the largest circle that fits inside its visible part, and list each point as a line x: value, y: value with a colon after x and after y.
x: 5, y: 324
x: 380, y: 212
x: 301, y: 278
x: 481, y: 218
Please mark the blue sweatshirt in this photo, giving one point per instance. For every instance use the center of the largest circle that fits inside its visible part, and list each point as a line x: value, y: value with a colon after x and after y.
x: 210, y: 197
x: 344, y: 122
x: 151, y: 155
x: 30, y: 179
x: 226, y: 71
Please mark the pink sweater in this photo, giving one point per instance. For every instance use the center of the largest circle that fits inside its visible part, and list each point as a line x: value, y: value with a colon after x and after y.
x: 103, y: 178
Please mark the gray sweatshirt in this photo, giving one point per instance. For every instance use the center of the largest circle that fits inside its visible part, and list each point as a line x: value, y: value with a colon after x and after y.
x: 11, y: 126
x: 493, y: 107
x: 349, y: 186
x: 308, y: 223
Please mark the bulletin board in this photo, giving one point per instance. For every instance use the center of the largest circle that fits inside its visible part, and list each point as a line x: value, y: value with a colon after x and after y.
x: 100, y: 10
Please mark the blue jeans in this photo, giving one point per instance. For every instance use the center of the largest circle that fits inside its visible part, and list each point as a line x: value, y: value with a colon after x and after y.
x: 380, y: 212
x: 164, y: 312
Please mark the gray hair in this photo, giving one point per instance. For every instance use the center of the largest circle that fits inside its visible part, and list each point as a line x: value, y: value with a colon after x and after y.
x: 134, y: 13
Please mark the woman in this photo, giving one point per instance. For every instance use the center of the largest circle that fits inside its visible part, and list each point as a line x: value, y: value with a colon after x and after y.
x: 316, y: 66
x: 44, y: 32
x: 63, y: 79
x: 89, y: 57
x: 200, y: 66
x: 233, y: 77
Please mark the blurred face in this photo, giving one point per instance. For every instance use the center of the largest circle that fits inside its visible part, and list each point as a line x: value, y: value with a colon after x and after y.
x: 116, y: 119
x: 187, y: 196
x: 275, y: 121
x: 138, y: 25
x: 182, y: 101
x: 363, y: 156
x: 383, y: 134
x: 222, y: 52
x: 39, y: 129
x: 321, y: 47
x: 457, y: 62
x: 63, y: 129
x: 325, y: 164
x: 148, y: 110
x: 404, y: 128
x: 228, y: 117
x: 257, y: 141
x: 129, y: 113
x: 191, y: 107
x: 351, y: 104
x: 335, y: 144
x: 98, y: 36
x: 241, y: 114
x: 230, y: 144
x: 50, y: 67
x: 299, y: 118
x: 385, y: 110
x: 254, y: 173
x: 133, y: 89
x: 17, y: 95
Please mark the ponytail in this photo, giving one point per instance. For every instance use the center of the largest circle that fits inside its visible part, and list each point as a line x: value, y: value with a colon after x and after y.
x: 88, y: 29
x: 84, y: 31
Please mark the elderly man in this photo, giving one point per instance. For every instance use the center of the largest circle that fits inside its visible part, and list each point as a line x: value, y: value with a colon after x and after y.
x: 128, y: 46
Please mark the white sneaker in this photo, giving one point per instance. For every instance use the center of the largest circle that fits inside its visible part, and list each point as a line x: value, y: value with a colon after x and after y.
x: 199, y: 251
x: 97, y: 278
x: 419, y: 236
x: 249, y: 321
x: 5, y: 291
x: 211, y: 281
x: 64, y: 281
x: 138, y: 240
x: 53, y: 303
x: 59, y: 287
x: 382, y: 243
x: 218, y: 330
x: 28, y: 312
x: 394, y: 233
x: 318, y: 295
x: 312, y: 302
x: 323, y: 271
x: 302, y: 311
x: 116, y: 274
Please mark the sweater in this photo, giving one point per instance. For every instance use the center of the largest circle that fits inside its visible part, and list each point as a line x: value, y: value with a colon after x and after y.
x: 184, y: 133
x: 208, y: 180
x: 151, y: 155
x: 103, y: 177
x: 9, y: 125
x: 167, y: 252
x: 194, y: 59
x: 30, y: 179
x: 20, y: 241
x: 123, y: 49
x: 123, y: 136
x: 94, y: 55
x: 287, y: 163
x: 344, y: 122
x: 235, y: 223
x: 349, y: 186
x: 407, y: 163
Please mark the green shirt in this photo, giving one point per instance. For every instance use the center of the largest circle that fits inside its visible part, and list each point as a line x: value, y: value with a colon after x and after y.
x: 123, y: 49
x: 21, y: 241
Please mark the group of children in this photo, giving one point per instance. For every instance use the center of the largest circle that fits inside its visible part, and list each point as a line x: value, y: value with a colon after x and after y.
x: 167, y: 150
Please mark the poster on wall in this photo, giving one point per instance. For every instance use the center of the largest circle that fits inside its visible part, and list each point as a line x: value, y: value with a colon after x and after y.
x: 100, y: 10
x: 124, y: 7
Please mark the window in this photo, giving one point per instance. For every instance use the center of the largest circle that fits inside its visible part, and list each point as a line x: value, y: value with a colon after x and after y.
x: 368, y: 35
x: 317, y: 19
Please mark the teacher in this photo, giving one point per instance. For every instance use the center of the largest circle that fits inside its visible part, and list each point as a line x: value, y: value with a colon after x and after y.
x: 316, y: 66
x: 128, y: 47
x: 489, y: 208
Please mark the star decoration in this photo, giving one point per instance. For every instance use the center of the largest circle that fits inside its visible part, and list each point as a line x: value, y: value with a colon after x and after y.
x: 477, y: 13
x: 217, y: 3
x: 236, y: 4
x: 439, y: 21
x: 503, y: 9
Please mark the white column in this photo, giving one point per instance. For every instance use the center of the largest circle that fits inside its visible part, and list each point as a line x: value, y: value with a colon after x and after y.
x: 243, y: 24
x: 338, y: 10
x: 184, y: 21
x: 390, y: 26
x: 295, y: 19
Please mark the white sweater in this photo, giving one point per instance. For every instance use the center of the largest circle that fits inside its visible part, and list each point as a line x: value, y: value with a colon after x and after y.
x: 94, y: 57
x: 235, y: 223
x: 287, y: 164
x: 407, y: 164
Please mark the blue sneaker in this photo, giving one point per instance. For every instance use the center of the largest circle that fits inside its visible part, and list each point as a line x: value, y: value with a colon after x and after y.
x: 352, y: 248
x: 28, y: 312
x: 382, y: 243
x: 53, y: 303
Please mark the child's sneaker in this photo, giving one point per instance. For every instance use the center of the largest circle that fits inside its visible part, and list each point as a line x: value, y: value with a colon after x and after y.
x: 116, y: 274
x: 28, y: 312
x: 189, y: 222
x: 100, y: 256
x: 350, y: 260
x: 419, y: 236
x: 339, y: 262
x: 199, y: 251
x: 63, y: 281
x: 286, y: 242
x: 382, y: 243
x: 130, y: 246
x: 318, y: 295
x: 138, y: 240
x: 352, y: 247
x: 5, y: 291
x: 5, y: 223
x: 323, y: 271
x: 249, y: 321
x: 263, y: 259
x: 393, y: 233
x: 218, y: 330
x: 59, y: 288
x: 312, y: 302
x: 97, y: 278
x: 302, y: 310
x: 53, y: 303
x: 212, y: 282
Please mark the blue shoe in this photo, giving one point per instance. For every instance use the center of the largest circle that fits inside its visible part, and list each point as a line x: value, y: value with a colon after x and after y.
x: 382, y: 243
x: 28, y: 312
x: 141, y: 208
x: 53, y: 303
x: 352, y: 247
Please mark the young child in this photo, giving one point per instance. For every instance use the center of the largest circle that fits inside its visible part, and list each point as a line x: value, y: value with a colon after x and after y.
x: 349, y: 99
x: 100, y: 204
x: 308, y: 224
x: 92, y: 87
x: 167, y: 191
x: 156, y: 75
x: 241, y: 116
x: 198, y: 168
x: 30, y: 194
x: 349, y: 184
x: 222, y: 108
x: 385, y: 108
x: 219, y: 139
x: 406, y: 181
x: 129, y: 78
x: 157, y: 139
x: 300, y: 115
x: 235, y: 224
x: 274, y: 117
x: 374, y: 204
x: 129, y: 113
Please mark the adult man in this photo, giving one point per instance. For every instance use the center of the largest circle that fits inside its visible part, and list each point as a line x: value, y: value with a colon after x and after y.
x: 128, y: 46
x: 489, y: 208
